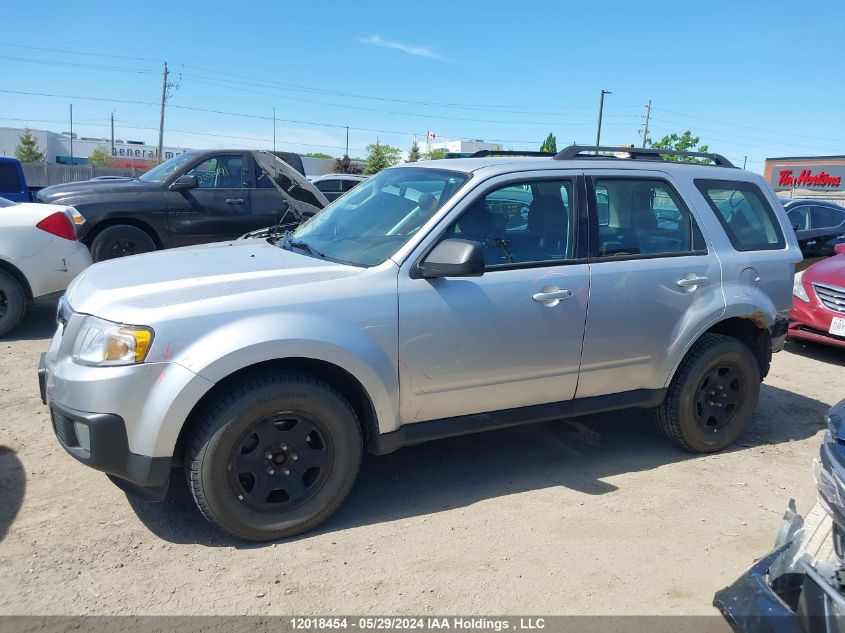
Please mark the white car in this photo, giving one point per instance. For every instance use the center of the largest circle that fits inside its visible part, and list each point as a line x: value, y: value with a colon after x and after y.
x: 39, y: 255
x: 333, y: 186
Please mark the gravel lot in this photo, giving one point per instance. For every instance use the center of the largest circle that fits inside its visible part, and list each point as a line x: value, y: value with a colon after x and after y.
x: 595, y: 516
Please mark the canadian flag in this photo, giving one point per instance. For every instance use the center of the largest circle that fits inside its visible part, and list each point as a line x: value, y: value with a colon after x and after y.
x: 430, y: 134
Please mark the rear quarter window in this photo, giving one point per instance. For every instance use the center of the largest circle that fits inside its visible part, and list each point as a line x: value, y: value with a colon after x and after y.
x: 744, y: 213
x: 10, y: 181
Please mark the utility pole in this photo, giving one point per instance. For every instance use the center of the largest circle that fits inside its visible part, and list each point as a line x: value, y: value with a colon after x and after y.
x: 112, y: 133
x: 601, y: 110
x: 161, y: 120
x: 71, y: 135
x: 744, y: 160
x: 647, y: 117
x: 347, y: 141
x: 274, y: 129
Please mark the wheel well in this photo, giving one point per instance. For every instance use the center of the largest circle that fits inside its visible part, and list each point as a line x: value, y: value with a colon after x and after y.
x: 336, y: 376
x: 751, y: 334
x: 19, y: 276
x: 138, y: 224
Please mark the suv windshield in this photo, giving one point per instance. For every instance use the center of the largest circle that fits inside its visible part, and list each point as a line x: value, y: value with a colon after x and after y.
x: 374, y: 220
x: 162, y: 172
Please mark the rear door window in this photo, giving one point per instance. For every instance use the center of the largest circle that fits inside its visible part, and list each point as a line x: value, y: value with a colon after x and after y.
x: 328, y: 186
x: 825, y: 217
x: 9, y: 179
x: 744, y: 213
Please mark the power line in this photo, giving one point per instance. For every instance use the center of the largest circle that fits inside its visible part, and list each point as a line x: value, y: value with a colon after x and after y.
x: 77, y: 65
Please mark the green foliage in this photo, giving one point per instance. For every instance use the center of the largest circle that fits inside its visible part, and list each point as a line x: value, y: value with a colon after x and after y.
x: 414, y: 155
x: 317, y: 155
x: 100, y: 157
x: 684, y: 142
x: 27, y: 150
x: 345, y: 166
x: 436, y: 154
x: 550, y: 144
x: 381, y: 157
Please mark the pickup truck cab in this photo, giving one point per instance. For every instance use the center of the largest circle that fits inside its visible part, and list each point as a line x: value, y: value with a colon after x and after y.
x: 435, y: 299
x: 193, y: 198
x: 13, y: 181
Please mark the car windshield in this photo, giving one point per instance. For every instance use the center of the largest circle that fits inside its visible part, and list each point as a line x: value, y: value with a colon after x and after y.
x: 6, y: 203
x: 370, y: 223
x: 162, y: 172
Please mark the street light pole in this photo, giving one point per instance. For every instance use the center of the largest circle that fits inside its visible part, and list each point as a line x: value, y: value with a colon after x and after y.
x: 601, y: 110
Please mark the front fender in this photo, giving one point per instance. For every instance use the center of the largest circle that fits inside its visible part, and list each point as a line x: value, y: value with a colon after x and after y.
x: 367, y: 353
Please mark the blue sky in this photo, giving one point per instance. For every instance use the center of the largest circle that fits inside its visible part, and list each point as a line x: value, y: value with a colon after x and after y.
x: 752, y: 78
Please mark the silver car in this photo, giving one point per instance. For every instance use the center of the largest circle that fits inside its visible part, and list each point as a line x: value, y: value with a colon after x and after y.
x: 435, y: 299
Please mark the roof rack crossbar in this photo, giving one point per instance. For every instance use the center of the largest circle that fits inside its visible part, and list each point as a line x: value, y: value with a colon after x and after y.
x: 582, y: 151
x: 498, y: 152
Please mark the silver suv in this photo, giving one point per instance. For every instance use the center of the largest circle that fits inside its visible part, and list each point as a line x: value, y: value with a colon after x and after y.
x: 435, y: 299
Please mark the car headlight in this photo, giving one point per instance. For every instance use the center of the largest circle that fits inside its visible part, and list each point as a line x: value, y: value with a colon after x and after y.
x: 798, y: 287
x: 101, y: 343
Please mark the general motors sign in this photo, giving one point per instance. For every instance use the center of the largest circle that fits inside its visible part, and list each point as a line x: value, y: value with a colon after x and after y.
x: 818, y: 177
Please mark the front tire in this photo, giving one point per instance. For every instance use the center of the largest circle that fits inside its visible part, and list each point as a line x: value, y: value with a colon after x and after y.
x: 121, y: 240
x: 12, y: 302
x: 273, y: 456
x: 712, y: 396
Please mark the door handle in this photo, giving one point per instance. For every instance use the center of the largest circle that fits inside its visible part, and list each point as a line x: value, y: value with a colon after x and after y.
x: 690, y: 282
x: 234, y: 200
x: 552, y: 295
x: 811, y: 243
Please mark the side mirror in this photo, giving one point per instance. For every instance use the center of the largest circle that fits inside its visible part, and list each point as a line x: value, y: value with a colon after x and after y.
x: 796, y: 228
x: 454, y: 258
x: 184, y: 182
x: 839, y: 249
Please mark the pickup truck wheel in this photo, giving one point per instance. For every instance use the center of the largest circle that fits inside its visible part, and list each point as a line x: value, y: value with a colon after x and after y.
x: 712, y: 396
x: 12, y: 302
x: 273, y: 456
x: 120, y: 241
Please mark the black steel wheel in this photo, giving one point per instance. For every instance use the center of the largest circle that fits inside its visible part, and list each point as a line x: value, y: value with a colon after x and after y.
x: 272, y: 455
x: 712, y: 396
x: 120, y: 241
x: 281, y: 462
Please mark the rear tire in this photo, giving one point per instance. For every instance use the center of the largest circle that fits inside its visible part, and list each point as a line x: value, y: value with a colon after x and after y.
x: 712, y: 396
x: 121, y: 240
x: 273, y: 456
x: 12, y: 302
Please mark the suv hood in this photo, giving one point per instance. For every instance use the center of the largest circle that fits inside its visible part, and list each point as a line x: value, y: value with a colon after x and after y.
x: 830, y: 271
x: 56, y: 193
x: 123, y: 289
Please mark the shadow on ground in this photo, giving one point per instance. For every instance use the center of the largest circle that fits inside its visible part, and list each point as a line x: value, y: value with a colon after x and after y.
x: 39, y: 322
x: 817, y: 351
x: 578, y: 453
x: 12, y: 488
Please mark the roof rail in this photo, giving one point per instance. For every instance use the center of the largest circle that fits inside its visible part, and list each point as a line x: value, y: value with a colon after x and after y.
x: 498, y: 152
x: 581, y: 151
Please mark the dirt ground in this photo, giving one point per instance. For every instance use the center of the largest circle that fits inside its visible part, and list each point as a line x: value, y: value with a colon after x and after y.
x: 595, y: 516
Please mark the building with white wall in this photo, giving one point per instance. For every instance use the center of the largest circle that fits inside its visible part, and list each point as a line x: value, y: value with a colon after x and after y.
x: 461, y: 146
x: 57, y: 148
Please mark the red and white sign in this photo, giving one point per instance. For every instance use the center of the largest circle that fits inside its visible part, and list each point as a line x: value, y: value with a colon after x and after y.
x: 807, y: 179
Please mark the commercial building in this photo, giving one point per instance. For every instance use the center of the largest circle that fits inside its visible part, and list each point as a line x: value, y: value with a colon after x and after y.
x: 461, y: 147
x: 821, y: 177
x: 57, y: 148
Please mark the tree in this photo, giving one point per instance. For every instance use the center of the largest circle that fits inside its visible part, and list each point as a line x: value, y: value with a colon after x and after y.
x: 550, y: 144
x: 381, y: 157
x: 317, y: 155
x: 27, y: 150
x: 414, y: 155
x: 436, y: 154
x: 346, y: 166
x: 684, y: 142
x: 100, y: 157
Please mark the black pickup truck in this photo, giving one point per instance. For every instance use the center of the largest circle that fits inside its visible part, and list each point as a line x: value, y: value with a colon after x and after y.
x: 193, y: 198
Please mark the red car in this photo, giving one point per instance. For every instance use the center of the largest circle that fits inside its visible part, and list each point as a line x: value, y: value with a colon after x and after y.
x: 818, y: 301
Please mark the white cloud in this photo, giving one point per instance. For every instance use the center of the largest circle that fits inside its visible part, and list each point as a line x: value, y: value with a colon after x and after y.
x: 418, y: 51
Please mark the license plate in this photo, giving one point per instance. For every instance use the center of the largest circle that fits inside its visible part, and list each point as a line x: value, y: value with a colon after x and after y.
x: 837, y: 326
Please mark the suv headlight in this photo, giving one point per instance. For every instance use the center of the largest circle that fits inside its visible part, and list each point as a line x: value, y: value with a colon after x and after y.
x: 798, y: 287
x: 101, y: 343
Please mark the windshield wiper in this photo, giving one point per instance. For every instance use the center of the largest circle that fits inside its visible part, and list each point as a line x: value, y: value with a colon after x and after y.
x: 287, y: 244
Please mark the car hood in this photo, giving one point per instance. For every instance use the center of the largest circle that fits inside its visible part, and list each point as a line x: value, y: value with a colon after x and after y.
x: 126, y: 290
x: 56, y: 193
x: 830, y: 271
